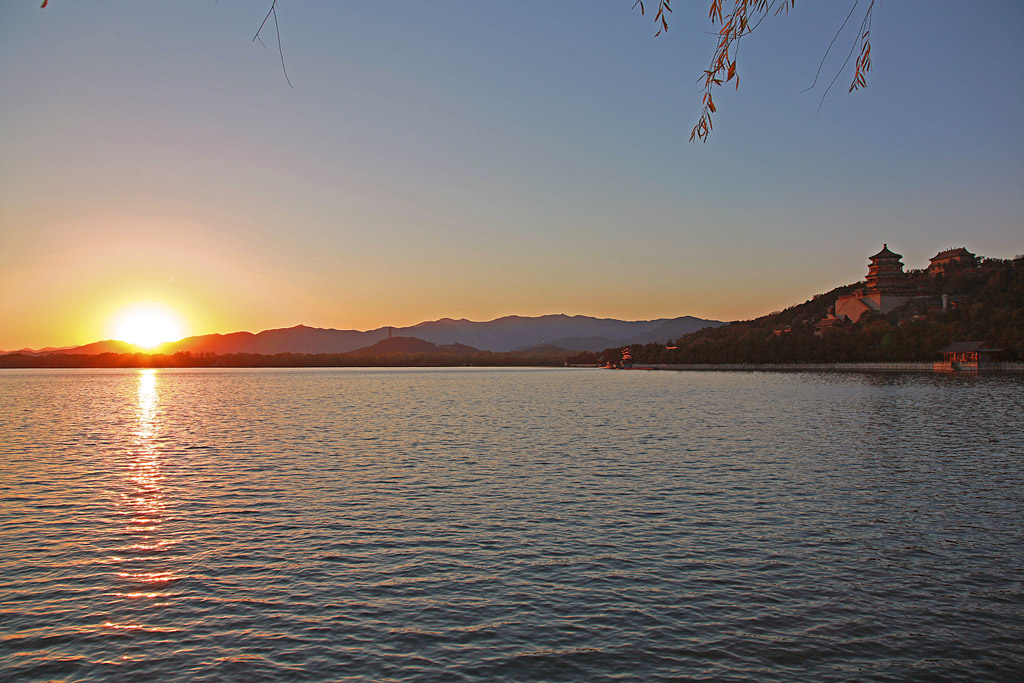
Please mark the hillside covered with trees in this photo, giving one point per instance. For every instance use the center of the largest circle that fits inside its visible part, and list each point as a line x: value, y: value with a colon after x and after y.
x: 985, y: 303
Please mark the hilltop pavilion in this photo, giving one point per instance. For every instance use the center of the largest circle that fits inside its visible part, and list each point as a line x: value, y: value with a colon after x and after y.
x: 949, y: 259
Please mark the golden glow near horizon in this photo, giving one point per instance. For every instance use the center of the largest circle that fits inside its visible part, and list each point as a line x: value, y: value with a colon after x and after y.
x: 147, y: 325
x: 388, y: 196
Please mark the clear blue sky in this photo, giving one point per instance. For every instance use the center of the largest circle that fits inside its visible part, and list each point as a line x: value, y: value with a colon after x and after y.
x: 476, y: 159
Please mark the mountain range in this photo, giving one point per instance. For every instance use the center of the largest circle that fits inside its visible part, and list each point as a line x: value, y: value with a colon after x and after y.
x: 509, y: 333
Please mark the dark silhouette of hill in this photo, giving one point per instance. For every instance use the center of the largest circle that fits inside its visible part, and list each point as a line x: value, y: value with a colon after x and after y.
x: 546, y: 348
x: 106, y: 346
x: 510, y: 333
x: 576, y: 332
x: 663, y: 331
x: 411, y: 345
x: 298, y: 339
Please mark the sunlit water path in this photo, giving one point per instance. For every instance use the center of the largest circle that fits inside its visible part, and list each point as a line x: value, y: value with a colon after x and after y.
x: 529, y: 525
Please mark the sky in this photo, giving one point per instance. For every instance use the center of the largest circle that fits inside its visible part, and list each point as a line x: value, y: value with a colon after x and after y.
x: 473, y: 159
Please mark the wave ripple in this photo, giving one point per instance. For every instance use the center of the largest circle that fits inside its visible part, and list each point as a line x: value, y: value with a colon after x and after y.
x: 480, y: 525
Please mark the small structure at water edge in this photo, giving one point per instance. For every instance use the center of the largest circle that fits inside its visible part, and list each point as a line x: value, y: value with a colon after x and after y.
x: 968, y: 355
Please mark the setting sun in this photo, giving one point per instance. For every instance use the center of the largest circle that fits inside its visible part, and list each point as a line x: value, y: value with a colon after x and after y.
x: 147, y: 325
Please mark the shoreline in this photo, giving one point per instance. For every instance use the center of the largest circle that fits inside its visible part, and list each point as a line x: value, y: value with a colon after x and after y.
x: 830, y: 367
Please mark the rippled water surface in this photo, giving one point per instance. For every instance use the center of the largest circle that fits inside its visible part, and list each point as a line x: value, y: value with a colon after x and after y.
x: 525, y: 525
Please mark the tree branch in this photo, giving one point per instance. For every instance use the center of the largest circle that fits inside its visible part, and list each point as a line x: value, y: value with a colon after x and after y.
x: 277, y: 28
x: 744, y: 17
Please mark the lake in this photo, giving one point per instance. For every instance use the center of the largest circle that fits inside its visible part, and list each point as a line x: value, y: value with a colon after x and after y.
x: 510, y: 524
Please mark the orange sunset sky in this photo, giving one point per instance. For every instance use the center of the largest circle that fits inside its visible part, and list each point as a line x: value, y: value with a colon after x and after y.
x: 474, y: 160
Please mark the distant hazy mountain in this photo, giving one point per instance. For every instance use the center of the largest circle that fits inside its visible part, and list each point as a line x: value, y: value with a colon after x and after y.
x: 577, y: 332
x: 106, y: 346
x: 659, y: 331
x: 298, y: 339
x: 511, y: 333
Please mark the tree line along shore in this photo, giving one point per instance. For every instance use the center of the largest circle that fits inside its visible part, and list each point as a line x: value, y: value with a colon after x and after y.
x: 281, y: 360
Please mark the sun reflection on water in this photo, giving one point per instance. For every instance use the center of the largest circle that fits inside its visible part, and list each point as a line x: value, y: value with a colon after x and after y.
x: 147, y: 399
x: 142, y: 570
x: 145, y: 497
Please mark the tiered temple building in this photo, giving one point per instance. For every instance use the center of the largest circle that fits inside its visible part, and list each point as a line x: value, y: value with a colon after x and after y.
x: 886, y: 288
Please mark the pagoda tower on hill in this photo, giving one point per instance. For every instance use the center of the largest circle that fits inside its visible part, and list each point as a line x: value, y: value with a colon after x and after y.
x: 885, y: 289
x: 885, y: 272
